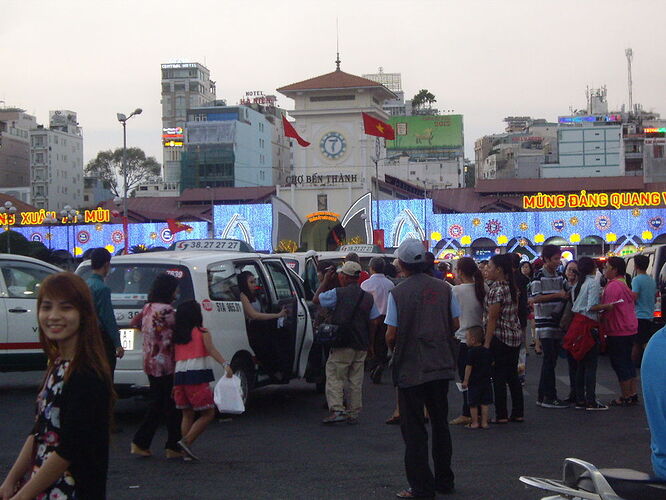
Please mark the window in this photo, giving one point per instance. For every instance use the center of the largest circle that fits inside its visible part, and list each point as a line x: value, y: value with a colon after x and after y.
x: 325, y: 98
x: 23, y: 280
x: 280, y: 280
x: 166, y: 87
x: 179, y: 87
x: 658, y: 150
x: 322, y: 202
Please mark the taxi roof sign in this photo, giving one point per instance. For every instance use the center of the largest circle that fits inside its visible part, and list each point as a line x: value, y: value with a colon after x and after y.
x: 361, y: 248
x: 213, y: 244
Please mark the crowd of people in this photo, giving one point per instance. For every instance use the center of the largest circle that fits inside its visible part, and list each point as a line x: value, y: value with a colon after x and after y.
x: 405, y: 317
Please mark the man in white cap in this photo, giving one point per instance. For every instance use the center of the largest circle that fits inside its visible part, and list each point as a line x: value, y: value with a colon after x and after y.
x: 354, y: 311
x: 420, y: 317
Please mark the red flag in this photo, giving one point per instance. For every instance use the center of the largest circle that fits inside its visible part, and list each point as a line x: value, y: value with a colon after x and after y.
x: 378, y: 128
x: 290, y: 131
x: 176, y: 227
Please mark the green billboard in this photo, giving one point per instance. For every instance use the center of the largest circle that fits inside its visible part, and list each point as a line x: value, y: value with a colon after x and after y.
x: 426, y: 132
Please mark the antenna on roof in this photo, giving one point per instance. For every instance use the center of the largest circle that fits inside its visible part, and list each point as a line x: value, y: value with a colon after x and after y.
x: 337, y: 45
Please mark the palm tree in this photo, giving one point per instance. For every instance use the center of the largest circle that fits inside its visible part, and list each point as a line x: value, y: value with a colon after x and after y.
x: 424, y: 96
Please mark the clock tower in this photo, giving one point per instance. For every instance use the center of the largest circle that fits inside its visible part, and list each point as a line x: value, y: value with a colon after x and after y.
x: 338, y: 166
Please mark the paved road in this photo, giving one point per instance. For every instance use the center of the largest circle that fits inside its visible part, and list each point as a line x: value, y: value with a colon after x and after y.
x: 279, y: 449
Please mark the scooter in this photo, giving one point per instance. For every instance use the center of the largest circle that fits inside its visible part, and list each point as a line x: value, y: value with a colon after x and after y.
x: 583, y: 481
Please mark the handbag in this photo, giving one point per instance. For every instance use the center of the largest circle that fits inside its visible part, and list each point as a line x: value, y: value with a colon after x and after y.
x: 228, y: 395
x: 330, y: 334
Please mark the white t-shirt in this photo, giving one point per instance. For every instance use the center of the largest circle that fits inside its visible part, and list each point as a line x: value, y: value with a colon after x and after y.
x: 471, y: 310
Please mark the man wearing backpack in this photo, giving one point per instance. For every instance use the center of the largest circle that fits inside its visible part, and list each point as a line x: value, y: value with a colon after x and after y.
x: 354, y: 311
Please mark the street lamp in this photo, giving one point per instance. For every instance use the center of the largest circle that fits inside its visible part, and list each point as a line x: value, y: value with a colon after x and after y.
x: 8, y: 209
x: 69, y: 214
x: 123, y: 119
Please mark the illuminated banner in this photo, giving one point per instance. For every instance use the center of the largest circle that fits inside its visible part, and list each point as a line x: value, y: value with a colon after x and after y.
x: 330, y: 216
x: 594, y: 200
x: 654, y: 130
x: 173, y: 137
x: 37, y: 218
x: 590, y: 118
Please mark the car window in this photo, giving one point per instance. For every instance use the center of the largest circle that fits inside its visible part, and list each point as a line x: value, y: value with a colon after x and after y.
x: 23, y: 279
x: 131, y: 283
x: 223, y: 282
x: 311, y: 278
x: 280, y: 280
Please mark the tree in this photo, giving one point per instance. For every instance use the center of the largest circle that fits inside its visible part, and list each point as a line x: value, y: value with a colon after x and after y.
x: 108, y: 166
x: 424, y: 96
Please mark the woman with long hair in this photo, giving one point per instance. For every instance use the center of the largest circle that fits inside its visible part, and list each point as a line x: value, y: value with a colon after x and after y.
x: 470, y: 293
x: 66, y: 455
x: 503, y: 338
x: 157, y: 320
x: 528, y: 271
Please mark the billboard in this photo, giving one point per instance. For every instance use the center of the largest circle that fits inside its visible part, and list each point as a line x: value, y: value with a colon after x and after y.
x: 426, y: 132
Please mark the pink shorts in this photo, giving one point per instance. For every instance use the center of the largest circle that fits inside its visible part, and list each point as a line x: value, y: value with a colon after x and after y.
x: 197, y: 397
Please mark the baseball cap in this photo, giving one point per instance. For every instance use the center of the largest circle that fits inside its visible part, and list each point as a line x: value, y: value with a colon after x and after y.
x: 411, y: 251
x: 351, y: 268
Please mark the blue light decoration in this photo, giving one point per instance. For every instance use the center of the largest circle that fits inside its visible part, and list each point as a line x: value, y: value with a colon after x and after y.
x: 84, y: 236
x: 401, y: 219
x: 252, y: 223
x: 590, y: 118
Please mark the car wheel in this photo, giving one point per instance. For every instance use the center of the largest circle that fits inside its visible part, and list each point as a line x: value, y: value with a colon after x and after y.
x: 245, y: 371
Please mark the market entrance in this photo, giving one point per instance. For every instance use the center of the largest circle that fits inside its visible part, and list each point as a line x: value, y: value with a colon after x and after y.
x: 322, y: 232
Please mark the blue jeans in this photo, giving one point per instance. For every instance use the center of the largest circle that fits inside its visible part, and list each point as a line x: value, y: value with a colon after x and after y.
x: 547, y: 382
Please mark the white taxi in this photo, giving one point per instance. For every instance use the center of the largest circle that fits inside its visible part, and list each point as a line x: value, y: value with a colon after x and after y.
x: 208, y: 272
x: 20, y: 278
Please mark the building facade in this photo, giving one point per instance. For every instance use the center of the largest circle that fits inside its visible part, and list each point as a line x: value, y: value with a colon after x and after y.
x: 184, y: 86
x: 392, y: 81
x: 15, y: 125
x: 56, y: 162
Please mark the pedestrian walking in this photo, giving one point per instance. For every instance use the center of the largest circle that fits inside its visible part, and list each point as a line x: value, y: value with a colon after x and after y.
x: 477, y: 380
x: 582, y: 340
x: 645, y: 290
x: 620, y: 325
x: 353, y: 311
x: 522, y: 283
x: 469, y: 294
x: 66, y: 454
x: 548, y: 297
x: 157, y: 320
x: 503, y: 338
x: 420, y: 330
x: 379, y: 286
x: 192, y: 393
x: 100, y: 263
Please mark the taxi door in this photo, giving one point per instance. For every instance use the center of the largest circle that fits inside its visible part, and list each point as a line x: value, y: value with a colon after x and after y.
x: 294, y: 325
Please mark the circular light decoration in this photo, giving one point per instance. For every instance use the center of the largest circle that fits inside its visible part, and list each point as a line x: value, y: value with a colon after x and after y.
x: 435, y: 236
x: 646, y: 235
x: 636, y: 212
x: 567, y: 255
x: 502, y: 240
x: 602, y: 223
x: 656, y: 222
x: 611, y: 237
x: 522, y: 242
x: 78, y: 251
x: 110, y: 248
x: 523, y: 226
x: 466, y: 240
x: 36, y: 237
x: 83, y: 237
x: 476, y: 221
x: 153, y: 235
x: 493, y: 226
x: 558, y: 225
x: 574, y: 221
x: 117, y: 237
x: 166, y: 235
x: 456, y: 231
x: 99, y: 226
x: 574, y: 238
x: 539, y: 238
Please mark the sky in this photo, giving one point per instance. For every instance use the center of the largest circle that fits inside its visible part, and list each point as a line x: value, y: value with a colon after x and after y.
x: 483, y: 59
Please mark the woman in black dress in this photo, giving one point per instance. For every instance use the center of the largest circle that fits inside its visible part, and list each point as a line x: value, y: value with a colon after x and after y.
x: 66, y: 455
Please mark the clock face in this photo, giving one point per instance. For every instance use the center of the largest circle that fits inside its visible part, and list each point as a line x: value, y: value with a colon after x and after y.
x: 332, y: 145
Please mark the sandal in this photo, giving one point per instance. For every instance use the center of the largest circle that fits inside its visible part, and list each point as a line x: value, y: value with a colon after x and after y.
x: 469, y: 426
x: 408, y: 493
x: 519, y: 420
x: 393, y: 420
x: 622, y: 402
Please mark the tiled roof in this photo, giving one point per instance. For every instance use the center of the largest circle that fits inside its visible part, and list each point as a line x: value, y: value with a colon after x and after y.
x: 335, y: 80
x: 20, y: 206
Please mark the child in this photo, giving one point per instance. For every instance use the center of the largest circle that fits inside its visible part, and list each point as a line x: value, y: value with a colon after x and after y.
x: 192, y: 392
x: 477, y: 377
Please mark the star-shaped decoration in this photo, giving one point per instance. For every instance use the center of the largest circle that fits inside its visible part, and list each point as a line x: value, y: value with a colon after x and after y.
x: 98, y: 227
x: 476, y: 221
x: 574, y: 221
x: 636, y: 212
x: 523, y: 226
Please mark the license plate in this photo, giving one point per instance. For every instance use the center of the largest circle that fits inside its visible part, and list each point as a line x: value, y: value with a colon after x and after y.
x: 127, y: 338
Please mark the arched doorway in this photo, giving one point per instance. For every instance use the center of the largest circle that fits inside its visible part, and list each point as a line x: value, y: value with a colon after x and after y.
x: 591, y: 246
x: 322, y: 234
x: 483, y: 248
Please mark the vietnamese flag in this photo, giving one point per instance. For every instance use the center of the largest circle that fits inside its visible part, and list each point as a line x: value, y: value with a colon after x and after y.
x: 176, y: 227
x: 290, y: 131
x: 378, y: 128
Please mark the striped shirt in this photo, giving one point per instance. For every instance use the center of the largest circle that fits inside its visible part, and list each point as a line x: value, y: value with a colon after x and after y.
x: 547, y: 314
x: 192, y: 361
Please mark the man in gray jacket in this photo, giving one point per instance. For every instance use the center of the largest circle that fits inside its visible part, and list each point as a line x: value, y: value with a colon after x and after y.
x: 420, y: 318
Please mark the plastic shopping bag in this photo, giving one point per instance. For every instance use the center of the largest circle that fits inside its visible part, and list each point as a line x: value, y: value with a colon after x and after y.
x: 228, y: 395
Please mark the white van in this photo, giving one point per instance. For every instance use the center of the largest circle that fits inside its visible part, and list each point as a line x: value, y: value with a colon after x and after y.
x: 211, y: 277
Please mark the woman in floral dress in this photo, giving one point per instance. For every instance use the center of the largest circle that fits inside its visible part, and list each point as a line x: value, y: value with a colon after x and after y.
x: 67, y: 453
